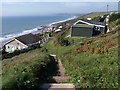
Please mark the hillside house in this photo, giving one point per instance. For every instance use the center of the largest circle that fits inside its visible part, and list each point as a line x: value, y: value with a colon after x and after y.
x: 58, y: 29
x: 87, y: 28
x: 22, y: 42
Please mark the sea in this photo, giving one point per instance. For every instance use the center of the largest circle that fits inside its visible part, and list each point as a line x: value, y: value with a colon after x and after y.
x: 18, y: 25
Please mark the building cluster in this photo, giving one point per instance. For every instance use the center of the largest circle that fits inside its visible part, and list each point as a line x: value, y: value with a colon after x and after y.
x: 82, y: 28
x: 88, y: 27
x: 23, y: 42
x: 27, y: 40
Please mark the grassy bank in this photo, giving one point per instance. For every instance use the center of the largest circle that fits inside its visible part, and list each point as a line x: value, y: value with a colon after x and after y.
x: 91, y: 62
x: 89, y: 65
x: 27, y: 71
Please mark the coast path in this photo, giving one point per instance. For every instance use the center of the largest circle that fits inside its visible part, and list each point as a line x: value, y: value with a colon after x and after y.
x: 59, y: 79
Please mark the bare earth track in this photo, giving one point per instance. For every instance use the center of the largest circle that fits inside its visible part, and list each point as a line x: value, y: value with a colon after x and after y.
x: 59, y: 79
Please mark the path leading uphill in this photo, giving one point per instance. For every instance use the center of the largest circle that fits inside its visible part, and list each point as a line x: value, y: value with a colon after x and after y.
x: 61, y: 71
x: 58, y: 79
x: 60, y: 66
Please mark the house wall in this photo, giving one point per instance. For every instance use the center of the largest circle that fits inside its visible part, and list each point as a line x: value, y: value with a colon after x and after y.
x: 103, y: 30
x: 81, y: 31
x: 14, y: 45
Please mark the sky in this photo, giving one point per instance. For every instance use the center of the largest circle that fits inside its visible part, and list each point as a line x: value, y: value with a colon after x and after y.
x: 36, y: 7
x: 60, y: 0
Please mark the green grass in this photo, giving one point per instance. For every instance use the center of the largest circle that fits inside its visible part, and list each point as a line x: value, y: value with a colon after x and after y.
x: 95, y: 14
x: 95, y: 70
x: 26, y: 71
x: 87, y: 68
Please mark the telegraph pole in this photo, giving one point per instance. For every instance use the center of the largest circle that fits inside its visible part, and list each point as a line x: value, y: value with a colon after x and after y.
x: 107, y: 8
x: 119, y: 6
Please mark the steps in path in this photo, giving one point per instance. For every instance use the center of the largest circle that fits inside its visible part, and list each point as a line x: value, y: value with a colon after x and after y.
x: 59, y: 79
x: 52, y: 86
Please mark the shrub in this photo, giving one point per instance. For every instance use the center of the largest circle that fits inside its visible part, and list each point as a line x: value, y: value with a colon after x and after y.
x: 118, y: 22
x: 30, y: 75
x: 114, y: 17
x: 60, y: 41
x: 66, y: 42
x: 50, y: 34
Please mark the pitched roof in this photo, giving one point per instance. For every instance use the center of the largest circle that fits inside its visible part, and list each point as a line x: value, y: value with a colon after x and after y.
x: 28, y: 39
x: 84, y: 26
x: 93, y: 22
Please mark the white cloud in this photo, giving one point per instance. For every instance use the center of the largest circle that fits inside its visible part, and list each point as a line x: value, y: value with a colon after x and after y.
x: 5, y: 1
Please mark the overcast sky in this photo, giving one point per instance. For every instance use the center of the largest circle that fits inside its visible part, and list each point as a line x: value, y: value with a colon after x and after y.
x: 28, y: 7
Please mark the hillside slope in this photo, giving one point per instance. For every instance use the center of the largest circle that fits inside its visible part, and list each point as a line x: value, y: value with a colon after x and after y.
x: 91, y: 62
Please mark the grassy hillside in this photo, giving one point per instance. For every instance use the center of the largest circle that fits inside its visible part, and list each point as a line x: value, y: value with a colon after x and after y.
x: 27, y: 70
x: 91, y: 62
x: 95, y: 14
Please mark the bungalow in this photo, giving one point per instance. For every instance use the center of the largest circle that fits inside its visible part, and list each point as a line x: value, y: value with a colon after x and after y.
x: 83, y: 31
x: 21, y: 42
x: 87, y: 28
x: 58, y: 30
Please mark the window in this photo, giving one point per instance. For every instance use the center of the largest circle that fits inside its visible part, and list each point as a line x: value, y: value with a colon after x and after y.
x: 8, y: 46
x: 16, y: 48
x: 98, y: 28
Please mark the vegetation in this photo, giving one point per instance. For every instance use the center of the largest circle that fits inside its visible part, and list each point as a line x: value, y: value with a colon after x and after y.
x: 91, y: 62
x: 60, y: 38
x: 6, y: 55
x: 88, y: 62
x: 114, y: 17
x: 114, y: 22
x: 95, y: 14
x: 27, y: 70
